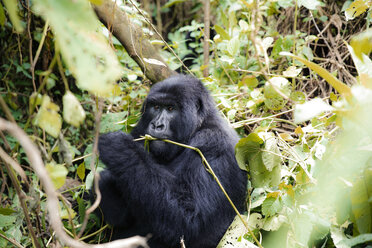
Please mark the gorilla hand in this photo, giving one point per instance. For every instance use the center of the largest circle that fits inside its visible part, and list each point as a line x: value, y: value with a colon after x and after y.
x: 114, y: 149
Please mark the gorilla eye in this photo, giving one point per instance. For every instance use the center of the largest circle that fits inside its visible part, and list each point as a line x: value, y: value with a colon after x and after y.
x: 170, y: 108
x: 156, y: 107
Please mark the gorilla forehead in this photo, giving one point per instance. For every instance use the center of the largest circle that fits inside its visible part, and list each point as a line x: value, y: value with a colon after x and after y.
x: 179, y: 88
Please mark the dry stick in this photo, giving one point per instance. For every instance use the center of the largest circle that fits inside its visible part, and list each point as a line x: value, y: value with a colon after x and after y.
x: 30, y: 44
x: 206, y: 37
x: 14, y: 242
x: 37, y: 164
x: 40, y: 46
x: 210, y: 170
x: 92, y: 167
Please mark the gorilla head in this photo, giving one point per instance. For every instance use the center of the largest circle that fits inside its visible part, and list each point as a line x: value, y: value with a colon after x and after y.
x: 166, y: 191
x: 174, y: 109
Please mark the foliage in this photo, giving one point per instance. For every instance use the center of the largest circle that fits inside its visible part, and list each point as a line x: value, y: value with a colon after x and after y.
x: 293, y: 77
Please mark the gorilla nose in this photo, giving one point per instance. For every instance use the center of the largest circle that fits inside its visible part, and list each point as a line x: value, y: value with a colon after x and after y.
x: 158, y: 127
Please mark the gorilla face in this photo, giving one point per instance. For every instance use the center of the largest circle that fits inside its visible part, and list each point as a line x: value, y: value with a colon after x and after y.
x: 174, y: 109
x: 162, y: 124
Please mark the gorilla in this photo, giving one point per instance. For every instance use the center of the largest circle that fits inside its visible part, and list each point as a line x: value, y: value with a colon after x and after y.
x: 163, y: 189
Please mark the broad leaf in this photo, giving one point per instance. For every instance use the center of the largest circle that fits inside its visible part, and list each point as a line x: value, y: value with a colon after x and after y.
x: 57, y: 173
x: 48, y: 118
x: 73, y: 112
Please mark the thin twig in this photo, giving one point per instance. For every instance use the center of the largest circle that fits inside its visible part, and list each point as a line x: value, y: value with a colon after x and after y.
x: 14, y: 242
x: 93, y: 168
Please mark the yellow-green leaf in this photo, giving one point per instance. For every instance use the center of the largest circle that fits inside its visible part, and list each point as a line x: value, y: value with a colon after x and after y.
x: 73, y: 112
x: 357, y: 8
x: 81, y: 171
x: 48, y: 118
x: 332, y: 80
x: 224, y: 35
x: 57, y: 173
x: 362, y: 43
x: 11, y: 7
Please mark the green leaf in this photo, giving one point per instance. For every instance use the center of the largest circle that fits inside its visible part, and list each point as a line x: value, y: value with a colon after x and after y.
x: 48, y: 118
x: 81, y: 171
x: 361, y: 207
x: 271, y: 206
x: 57, y: 173
x: 7, y: 211
x: 269, y: 159
x: 332, y: 80
x: 2, y: 15
x: 274, y: 91
x: 246, y: 148
x: 84, y: 48
x: 357, y: 8
x: 113, y: 121
x: 170, y: 3
x: 221, y: 31
x: 73, y: 112
x: 311, y: 109
x: 298, y: 97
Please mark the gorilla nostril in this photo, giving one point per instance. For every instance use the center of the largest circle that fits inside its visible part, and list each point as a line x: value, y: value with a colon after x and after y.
x: 160, y: 127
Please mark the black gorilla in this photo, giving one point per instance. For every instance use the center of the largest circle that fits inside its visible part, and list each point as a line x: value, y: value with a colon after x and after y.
x: 166, y: 191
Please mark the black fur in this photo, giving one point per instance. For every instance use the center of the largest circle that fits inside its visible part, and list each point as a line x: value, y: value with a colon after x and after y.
x: 167, y: 191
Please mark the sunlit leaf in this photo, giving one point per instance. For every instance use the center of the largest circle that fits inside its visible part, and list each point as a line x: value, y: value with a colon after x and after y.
x: 271, y: 206
x: 273, y: 223
x: 243, y: 26
x: 292, y: 71
x: 271, y: 155
x: 233, y: 46
x: 332, y: 80
x: 48, y: 118
x: 362, y: 44
x: 154, y: 62
x: 73, y: 112
x: 57, y: 174
x: 85, y: 50
x: 309, y: 4
x: 234, y: 235
x: 311, y: 109
x: 357, y: 8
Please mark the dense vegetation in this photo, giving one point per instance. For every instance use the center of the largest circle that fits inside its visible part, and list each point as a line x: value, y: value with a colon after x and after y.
x: 293, y: 77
